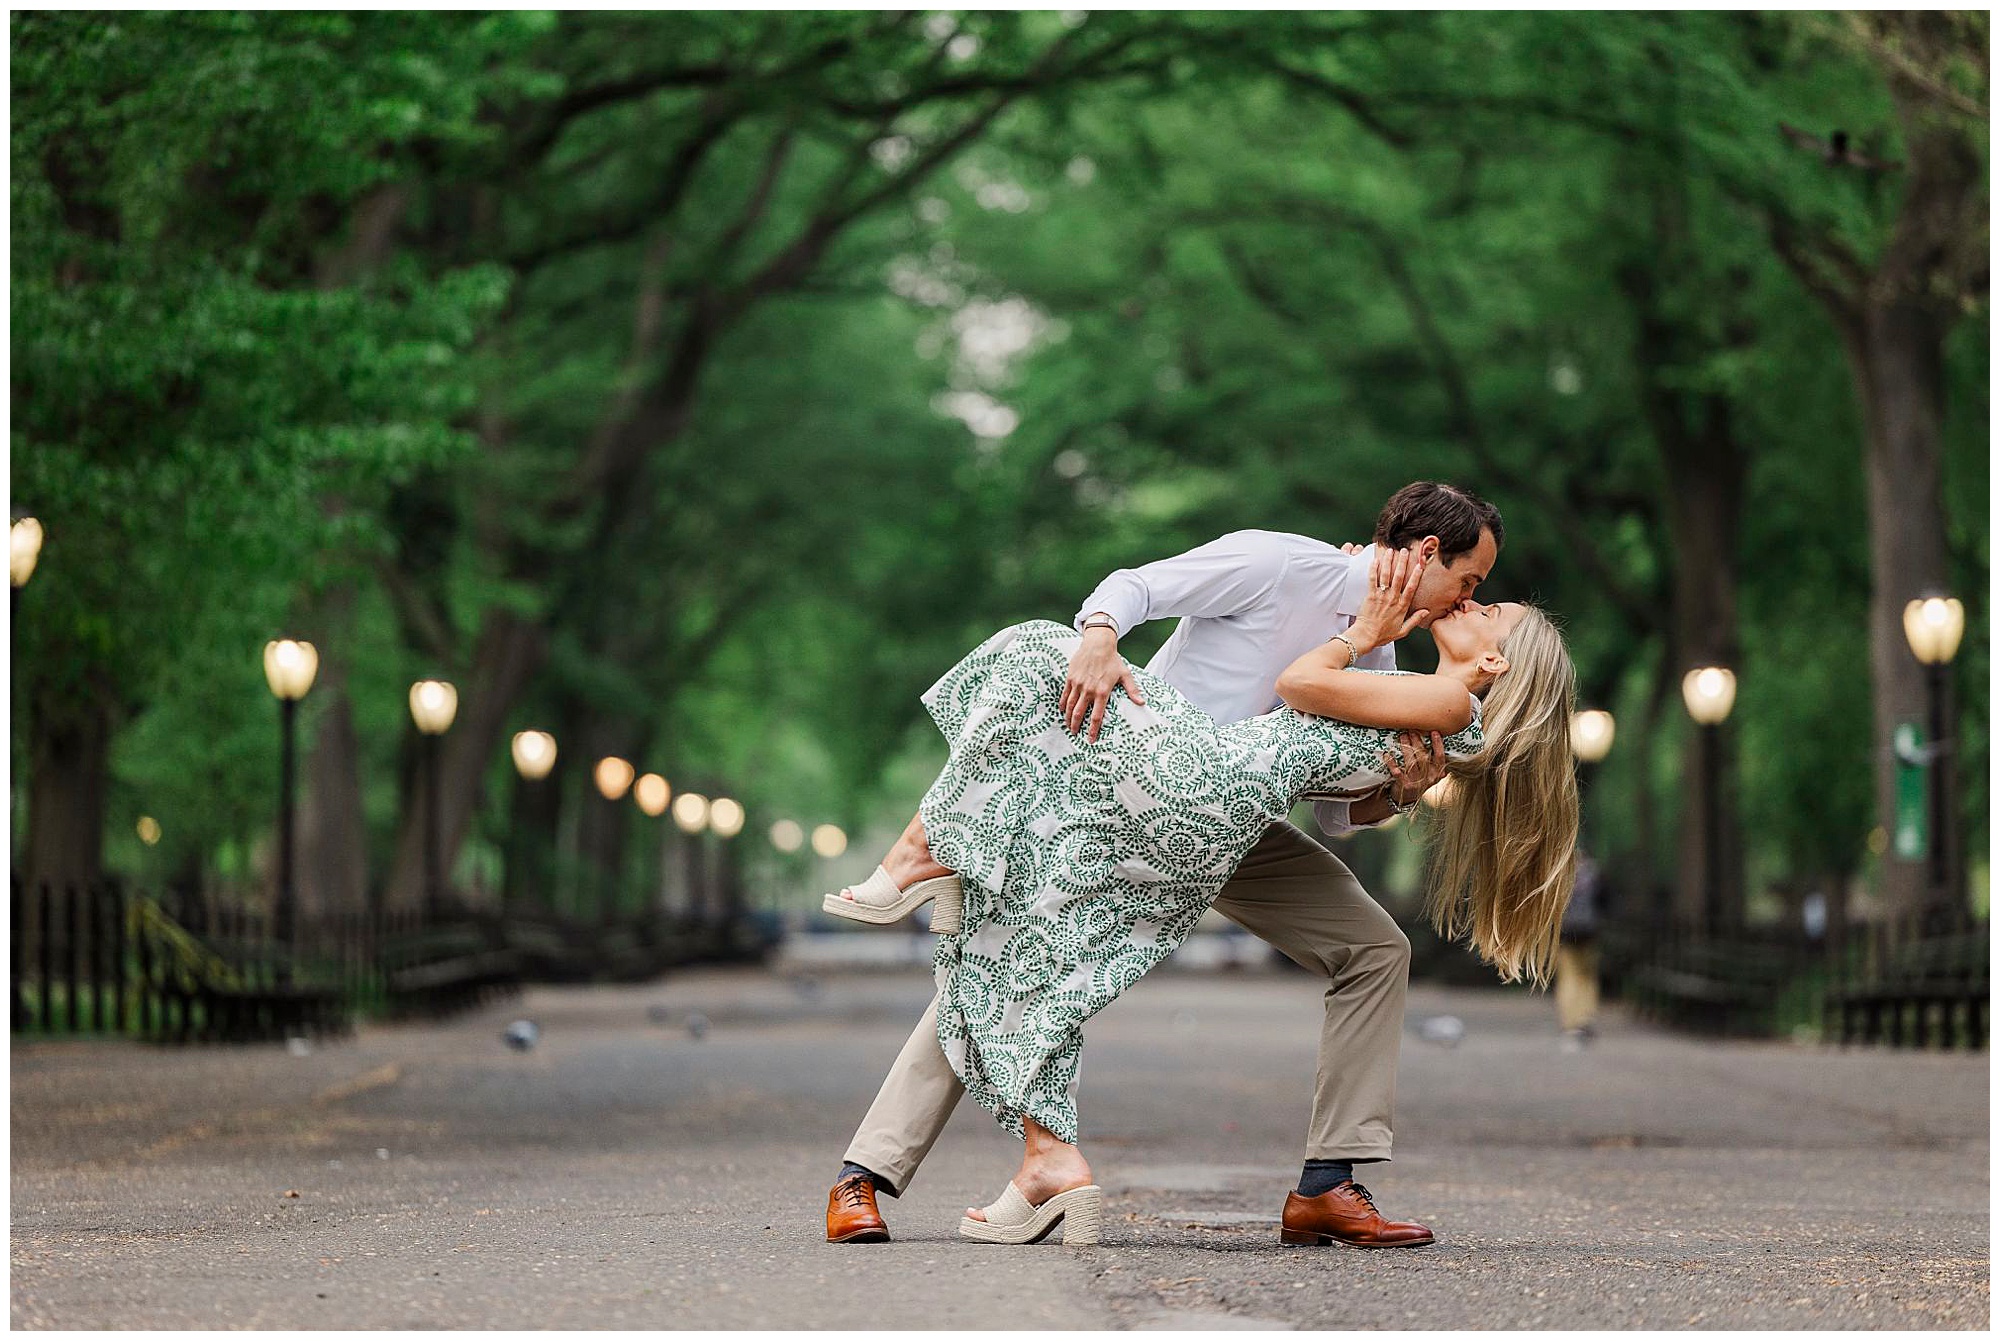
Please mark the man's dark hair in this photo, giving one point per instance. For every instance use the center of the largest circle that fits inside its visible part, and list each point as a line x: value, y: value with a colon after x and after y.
x: 1455, y: 516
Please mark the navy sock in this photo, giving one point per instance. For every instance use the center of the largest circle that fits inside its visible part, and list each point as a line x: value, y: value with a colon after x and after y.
x: 1323, y: 1175
x: 849, y: 1169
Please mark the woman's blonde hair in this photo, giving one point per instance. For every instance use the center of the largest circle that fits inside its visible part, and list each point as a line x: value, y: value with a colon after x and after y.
x: 1505, y: 858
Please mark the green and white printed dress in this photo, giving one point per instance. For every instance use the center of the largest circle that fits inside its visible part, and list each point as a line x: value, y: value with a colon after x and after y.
x: 1086, y: 863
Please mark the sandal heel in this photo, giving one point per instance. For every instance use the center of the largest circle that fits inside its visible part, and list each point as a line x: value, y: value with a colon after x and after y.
x: 948, y: 908
x: 1083, y: 1221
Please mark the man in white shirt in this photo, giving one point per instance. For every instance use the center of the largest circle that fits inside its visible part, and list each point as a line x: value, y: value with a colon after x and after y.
x: 1250, y: 603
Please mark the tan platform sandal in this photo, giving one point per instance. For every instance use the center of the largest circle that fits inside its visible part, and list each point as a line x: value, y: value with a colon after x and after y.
x: 1080, y: 1212
x: 877, y: 901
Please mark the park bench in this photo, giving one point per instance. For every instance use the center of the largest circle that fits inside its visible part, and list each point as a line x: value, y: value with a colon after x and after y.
x: 626, y: 954
x: 549, y: 951
x: 440, y: 970
x: 1933, y: 988
x: 270, y: 1011
x: 224, y: 989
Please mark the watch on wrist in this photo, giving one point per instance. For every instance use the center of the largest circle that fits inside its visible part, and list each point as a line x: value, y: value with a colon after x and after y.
x: 1101, y: 622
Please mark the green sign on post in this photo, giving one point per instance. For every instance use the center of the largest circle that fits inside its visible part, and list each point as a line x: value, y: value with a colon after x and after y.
x: 1912, y: 829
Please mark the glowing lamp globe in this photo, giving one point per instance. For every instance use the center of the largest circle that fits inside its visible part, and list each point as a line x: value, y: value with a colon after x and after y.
x: 289, y: 667
x: 612, y: 775
x: 24, y: 548
x: 691, y: 812
x: 1590, y: 734
x: 1934, y: 626
x: 433, y: 703
x: 725, y: 816
x: 534, y: 754
x: 652, y: 792
x: 1710, y: 692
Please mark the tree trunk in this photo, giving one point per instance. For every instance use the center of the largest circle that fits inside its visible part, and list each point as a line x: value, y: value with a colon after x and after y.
x: 332, y: 852
x: 332, y: 869
x: 1702, y: 469
x: 69, y: 752
x: 1892, y: 321
x: 1647, y: 891
x: 1896, y: 350
x: 1704, y: 500
x: 509, y: 651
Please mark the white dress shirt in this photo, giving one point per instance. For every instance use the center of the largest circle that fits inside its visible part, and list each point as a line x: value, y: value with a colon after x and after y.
x: 1250, y: 604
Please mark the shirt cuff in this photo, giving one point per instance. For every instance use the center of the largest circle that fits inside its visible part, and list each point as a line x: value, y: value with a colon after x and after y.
x: 1120, y: 596
x: 1332, y: 818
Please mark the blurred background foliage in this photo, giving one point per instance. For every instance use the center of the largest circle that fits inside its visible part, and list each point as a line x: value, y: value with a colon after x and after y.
x: 698, y: 385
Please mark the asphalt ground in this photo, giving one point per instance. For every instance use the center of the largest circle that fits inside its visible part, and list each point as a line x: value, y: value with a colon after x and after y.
x: 636, y: 1170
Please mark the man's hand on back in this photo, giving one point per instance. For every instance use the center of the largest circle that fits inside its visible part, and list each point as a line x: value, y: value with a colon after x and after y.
x: 1416, y: 765
x: 1094, y: 672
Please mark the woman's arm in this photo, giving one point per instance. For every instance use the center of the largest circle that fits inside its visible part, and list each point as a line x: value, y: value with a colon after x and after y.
x: 1319, y: 683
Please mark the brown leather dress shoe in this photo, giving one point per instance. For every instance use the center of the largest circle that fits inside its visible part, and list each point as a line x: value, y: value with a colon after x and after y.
x: 851, y: 1216
x: 1347, y: 1215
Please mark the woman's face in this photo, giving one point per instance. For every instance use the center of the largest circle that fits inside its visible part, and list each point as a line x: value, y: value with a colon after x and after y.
x: 1473, y: 630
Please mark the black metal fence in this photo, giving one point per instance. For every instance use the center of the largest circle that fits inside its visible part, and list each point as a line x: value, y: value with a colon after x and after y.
x: 1910, y: 982
x: 168, y: 966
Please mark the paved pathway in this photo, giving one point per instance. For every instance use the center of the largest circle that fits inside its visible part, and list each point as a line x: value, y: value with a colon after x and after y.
x: 627, y: 1174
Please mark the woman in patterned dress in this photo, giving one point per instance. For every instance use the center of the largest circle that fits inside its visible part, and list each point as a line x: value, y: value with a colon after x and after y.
x: 1083, y: 864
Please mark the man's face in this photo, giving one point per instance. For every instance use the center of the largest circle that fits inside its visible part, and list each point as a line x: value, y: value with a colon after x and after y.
x: 1444, y: 589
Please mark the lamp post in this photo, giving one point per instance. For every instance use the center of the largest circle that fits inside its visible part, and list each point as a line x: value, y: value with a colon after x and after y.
x: 534, y: 756
x: 787, y: 836
x: 652, y: 793
x: 725, y: 821
x: 24, y: 548
x: 614, y: 778
x: 691, y: 817
x: 1591, y: 741
x: 828, y: 842
x: 1934, y: 625
x: 289, y: 667
x: 1710, y: 692
x: 433, y: 703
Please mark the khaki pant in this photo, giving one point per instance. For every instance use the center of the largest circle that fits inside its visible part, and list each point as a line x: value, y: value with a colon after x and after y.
x: 1576, y: 985
x: 1302, y: 899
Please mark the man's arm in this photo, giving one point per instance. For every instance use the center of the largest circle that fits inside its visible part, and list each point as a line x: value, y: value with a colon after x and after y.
x: 1224, y: 577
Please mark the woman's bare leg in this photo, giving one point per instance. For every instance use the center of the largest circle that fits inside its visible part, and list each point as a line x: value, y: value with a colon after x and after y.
x: 1048, y: 1166
x: 910, y: 859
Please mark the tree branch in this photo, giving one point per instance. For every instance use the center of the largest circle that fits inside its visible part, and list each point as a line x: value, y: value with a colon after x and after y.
x: 1896, y: 64
x: 1462, y: 412
x: 1258, y: 286
x: 753, y: 209
x: 715, y: 121
x: 1827, y: 269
